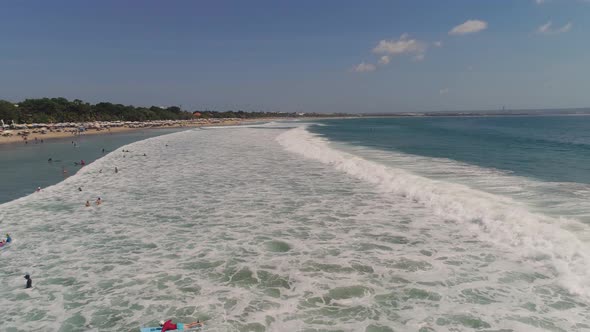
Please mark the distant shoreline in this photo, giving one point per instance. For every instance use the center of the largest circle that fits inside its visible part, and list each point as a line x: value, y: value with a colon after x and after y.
x: 36, y: 135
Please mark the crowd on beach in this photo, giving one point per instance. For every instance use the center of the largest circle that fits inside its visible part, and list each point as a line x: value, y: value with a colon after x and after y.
x: 36, y: 132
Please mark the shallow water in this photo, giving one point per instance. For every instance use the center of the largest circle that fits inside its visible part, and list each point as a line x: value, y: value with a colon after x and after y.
x: 24, y: 167
x: 275, y: 229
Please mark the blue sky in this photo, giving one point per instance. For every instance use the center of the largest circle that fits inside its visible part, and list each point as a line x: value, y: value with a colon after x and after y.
x: 300, y: 55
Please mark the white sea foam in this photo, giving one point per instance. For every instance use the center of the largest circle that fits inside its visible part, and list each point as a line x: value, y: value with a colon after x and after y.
x: 490, y: 217
x: 228, y: 226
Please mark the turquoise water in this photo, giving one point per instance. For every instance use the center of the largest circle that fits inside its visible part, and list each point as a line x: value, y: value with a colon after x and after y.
x: 549, y: 148
x: 24, y: 167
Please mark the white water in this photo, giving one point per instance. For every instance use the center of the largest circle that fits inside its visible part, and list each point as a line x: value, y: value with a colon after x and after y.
x: 230, y: 226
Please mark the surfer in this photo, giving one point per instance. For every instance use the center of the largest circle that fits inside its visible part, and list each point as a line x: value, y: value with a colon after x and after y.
x: 169, y: 326
x: 29, y: 281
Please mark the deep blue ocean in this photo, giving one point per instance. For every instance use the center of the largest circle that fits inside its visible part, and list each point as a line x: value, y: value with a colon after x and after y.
x: 547, y: 148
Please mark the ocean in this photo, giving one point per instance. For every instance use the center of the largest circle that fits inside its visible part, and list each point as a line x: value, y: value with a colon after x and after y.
x: 383, y: 224
x: 24, y: 167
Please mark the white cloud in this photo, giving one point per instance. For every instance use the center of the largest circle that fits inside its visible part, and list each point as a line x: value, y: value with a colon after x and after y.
x: 470, y: 26
x: 438, y: 43
x: 565, y: 28
x: 400, y: 46
x: 384, y: 60
x: 443, y: 91
x: 364, y: 67
x: 403, y: 45
x: 547, y: 28
x: 418, y: 57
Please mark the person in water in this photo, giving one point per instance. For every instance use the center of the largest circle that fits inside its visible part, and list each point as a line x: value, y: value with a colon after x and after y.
x: 29, y: 281
x: 79, y: 188
x: 98, y: 201
x: 116, y: 170
x: 88, y: 203
x: 169, y: 326
x: 8, y: 238
x: 2, y: 243
x: 38, y: 189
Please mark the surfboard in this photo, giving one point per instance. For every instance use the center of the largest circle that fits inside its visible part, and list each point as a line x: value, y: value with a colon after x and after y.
x: 180, y: 327
x: 6, y: 246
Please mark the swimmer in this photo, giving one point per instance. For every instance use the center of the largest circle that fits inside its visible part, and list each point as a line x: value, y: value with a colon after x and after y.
x: 8, y: 238
x: 29, y: 281
x: 98, y: 201
x: 38, y: 189
x: 79, y: 188
x: 87, y: 203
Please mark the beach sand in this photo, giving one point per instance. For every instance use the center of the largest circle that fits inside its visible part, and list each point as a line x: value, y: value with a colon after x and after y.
x: 17, y: 136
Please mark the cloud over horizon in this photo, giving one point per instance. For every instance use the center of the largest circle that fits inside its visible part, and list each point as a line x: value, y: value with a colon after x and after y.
x: 546, y: 29
x: 470, y: 26
x: 400, y: 46
x: 364, y: 67
x: 384, y: 60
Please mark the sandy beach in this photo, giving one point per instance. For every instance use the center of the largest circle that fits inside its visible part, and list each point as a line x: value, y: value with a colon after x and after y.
x: 42, y: 133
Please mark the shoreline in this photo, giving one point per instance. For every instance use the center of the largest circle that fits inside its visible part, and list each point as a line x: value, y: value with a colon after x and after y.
x: 18, y: 136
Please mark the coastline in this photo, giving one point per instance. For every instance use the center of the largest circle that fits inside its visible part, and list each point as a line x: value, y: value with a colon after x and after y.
x: 35, y: 136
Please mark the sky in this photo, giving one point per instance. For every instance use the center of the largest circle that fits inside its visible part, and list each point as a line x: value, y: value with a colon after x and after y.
x: 304, y: 55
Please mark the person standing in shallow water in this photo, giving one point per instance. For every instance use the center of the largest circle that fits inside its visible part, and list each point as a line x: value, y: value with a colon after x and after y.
x: 116, y: 170
x: 29, y: 281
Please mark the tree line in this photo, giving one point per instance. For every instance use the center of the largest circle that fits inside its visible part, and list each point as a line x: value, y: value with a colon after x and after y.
x: 55, y: 110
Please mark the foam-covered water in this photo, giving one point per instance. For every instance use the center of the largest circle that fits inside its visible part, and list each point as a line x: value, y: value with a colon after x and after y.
x: 276, y: 229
